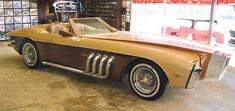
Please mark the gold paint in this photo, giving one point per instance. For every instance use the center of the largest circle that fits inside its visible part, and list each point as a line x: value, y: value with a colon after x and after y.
x: 176, y: 75
x: 145, y: 80
x: 74, y: 27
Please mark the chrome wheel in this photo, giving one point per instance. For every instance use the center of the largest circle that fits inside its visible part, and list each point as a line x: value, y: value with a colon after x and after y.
x: 144, y: 80
x: 29, y: 54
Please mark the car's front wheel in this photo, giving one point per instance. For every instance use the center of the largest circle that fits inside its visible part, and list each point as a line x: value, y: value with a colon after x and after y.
x: 147, y: 80
x: 30, y: 54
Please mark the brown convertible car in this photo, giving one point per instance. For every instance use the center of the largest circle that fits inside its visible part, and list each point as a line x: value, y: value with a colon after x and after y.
x: 91, y: 47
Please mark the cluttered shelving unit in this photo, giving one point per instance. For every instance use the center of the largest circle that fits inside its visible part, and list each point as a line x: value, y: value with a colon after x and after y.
x: 126, y: 15
x: 115, y: 12
x: 112, y: 11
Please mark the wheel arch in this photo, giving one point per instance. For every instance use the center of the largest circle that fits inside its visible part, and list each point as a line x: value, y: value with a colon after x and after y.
x: 131, y: 63
x: 25, y: 39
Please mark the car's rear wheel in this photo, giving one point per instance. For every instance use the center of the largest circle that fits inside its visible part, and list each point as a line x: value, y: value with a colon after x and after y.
x: 30, y: 54
x: 147, y: 80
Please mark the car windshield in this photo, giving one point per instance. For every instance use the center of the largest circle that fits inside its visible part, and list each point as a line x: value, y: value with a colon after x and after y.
x: 91, y: 26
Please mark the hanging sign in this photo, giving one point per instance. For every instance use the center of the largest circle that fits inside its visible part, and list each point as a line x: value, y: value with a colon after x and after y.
x: 65, y: 6
x: 184, y: 1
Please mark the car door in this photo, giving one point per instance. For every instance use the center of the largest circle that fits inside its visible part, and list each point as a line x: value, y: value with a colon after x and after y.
x: 60, y: 49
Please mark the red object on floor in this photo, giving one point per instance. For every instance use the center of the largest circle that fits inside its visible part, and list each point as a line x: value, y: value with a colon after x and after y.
x: 185, y: 31
x: 199, y: 35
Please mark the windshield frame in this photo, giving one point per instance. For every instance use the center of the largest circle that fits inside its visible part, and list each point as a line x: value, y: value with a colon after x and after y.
x: 78, y: 32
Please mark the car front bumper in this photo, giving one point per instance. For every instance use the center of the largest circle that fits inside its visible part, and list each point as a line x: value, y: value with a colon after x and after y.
x: 217, y: 67
x: 215, y: 70
x: 15, y: 43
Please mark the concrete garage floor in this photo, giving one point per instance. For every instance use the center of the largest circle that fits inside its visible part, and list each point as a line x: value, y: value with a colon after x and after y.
x: 50, y: 89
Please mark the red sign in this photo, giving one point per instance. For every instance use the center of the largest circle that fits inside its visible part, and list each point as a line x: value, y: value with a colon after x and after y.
x: 226, y: 1
x: 147, y: 1
x: 184, y: 1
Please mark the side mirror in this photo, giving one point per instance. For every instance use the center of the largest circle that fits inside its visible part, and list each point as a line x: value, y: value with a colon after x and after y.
x: 65, y: 33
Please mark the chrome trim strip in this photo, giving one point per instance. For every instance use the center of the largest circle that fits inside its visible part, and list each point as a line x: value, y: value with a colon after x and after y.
x: 186, y: 86
x: 102, y: 61
x: 91, y: 55
x: 63, y: 67
x: 97, y: 57
x: 194, y: 77
x: 224, y: 67
x: 11, y: 45
x: 99, y: 75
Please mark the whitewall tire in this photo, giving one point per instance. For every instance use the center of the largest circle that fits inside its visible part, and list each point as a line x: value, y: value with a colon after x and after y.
x: 147, y: 80
x: 30, y: 54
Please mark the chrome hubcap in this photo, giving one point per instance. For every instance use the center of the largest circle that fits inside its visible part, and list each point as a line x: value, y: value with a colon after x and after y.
x: 145, y: 80
x: 29, y: 54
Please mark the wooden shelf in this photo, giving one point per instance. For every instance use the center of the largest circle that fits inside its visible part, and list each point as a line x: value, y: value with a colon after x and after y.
x: 111, y: 11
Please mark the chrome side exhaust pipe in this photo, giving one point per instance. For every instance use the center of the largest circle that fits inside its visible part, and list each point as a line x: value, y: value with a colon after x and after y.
x: 108, y: 66
x: 94, y: 64
x: 91, y: 55
x: 100, y: 66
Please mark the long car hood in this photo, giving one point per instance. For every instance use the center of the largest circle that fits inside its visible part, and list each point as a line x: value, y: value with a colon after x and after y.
x: 156, y: 39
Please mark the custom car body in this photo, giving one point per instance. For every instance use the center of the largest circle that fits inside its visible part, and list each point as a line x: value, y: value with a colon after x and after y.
x: 91, y: 47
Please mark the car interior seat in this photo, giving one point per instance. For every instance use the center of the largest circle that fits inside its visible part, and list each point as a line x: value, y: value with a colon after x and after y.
x: 55, y: 28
